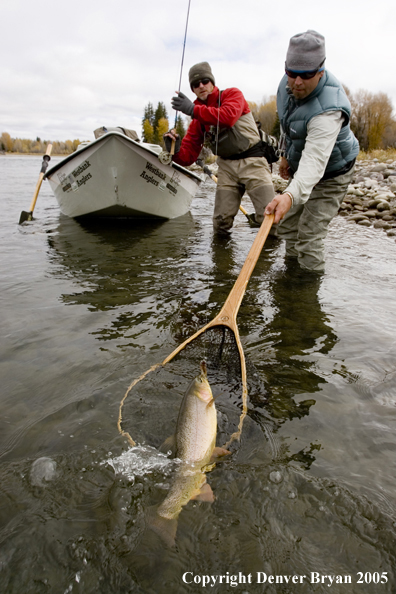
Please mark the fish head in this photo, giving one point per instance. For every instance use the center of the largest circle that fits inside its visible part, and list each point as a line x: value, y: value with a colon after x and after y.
x: 202, y: 388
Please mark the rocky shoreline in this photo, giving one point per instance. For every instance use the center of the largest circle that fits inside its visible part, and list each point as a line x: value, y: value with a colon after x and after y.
x: 371, y: 197
x: 370, y: 200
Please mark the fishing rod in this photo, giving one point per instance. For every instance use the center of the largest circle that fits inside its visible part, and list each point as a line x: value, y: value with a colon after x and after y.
x: 184, y: 48
x: 164, y: 156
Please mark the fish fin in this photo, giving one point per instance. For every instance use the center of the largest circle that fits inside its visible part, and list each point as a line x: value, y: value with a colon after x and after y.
x: 219, y: 453
x: 211, y: 402
x: 204, y: 494
x: 165, y: 528
x: 169, y: 445
x: 208, y: 467
x: 214, y: 398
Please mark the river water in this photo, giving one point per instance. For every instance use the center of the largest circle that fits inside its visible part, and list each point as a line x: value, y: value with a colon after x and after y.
x: 310, y: 489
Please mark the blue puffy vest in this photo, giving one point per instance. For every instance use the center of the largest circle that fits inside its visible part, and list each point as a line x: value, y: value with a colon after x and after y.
x: 295, y: 114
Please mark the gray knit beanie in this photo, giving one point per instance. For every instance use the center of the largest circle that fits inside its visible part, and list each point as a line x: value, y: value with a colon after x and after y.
x: 200, y: 71
x: 306, y: 51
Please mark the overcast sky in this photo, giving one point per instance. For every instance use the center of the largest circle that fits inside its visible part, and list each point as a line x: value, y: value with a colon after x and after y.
x: 67, y: 68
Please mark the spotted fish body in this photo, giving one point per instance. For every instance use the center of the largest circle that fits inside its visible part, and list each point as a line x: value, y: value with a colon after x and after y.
x: 194, y: 442
x: 196, y: 426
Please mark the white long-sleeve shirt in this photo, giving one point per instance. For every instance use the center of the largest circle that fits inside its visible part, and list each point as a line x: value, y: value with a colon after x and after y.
x: 321, y: 137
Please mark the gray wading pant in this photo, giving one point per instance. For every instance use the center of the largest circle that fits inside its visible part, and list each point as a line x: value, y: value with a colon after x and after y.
x: 233, y: 178
x: 305, y: 226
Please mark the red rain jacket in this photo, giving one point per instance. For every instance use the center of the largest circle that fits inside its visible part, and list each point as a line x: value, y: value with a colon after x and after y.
x: 232, y: 106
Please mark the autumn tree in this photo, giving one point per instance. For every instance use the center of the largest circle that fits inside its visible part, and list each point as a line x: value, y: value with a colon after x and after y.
x: 265, y: 113
x: 160, y: 114
x: 6, y: 142
x: 17, y: 146
x: 148, y: 131
x: 148, y: 123
x: 162, y: 127
x: 155, y: 123
x: 371, y: 118
x: 389, y: 136
x: 69, y: 146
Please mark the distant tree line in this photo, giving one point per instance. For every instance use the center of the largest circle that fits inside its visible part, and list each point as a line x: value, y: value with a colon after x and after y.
x: 24, y: 145
x: 372, y: 122
x: 372, y: 118
x: 156, y: 123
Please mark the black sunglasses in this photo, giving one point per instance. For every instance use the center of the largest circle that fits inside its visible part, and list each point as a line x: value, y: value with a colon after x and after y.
x: 304, y: 75
x: 196, y: 84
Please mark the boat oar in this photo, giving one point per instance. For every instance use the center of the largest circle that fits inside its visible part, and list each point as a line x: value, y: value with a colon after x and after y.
x: 214, y: 178
x: 28, y: 216
x: 206, y: 170
x: 247, y: 215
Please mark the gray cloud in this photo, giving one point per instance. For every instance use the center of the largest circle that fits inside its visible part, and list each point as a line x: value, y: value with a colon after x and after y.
x: 72, y: 67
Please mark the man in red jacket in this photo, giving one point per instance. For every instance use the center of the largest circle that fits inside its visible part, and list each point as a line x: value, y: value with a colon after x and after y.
x: 223, y: 121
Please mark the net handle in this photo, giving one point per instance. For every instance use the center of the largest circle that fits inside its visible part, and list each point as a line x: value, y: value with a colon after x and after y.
x: 226, y: 317
x: 231, y: 306
x: 228, y: 313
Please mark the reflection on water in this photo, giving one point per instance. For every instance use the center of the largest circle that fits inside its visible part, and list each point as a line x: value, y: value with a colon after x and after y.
x: 299, y: 327
x: 113, y: 266
x: 86, y: 309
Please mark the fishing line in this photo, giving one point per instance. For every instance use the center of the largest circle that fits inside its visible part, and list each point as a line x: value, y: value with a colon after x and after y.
x: 218, y: 125
x: 184, y: 47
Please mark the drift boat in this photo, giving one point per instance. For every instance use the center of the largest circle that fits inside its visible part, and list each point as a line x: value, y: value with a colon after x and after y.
x: 117, y: 176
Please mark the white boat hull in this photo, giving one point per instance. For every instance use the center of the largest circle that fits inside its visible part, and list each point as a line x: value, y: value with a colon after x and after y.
x: 115, y: 176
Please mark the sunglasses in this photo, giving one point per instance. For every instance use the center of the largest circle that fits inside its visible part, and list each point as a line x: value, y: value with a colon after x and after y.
x: 304, y: 75
x: 204, y: 81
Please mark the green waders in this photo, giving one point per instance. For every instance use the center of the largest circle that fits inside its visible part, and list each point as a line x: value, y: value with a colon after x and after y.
x: 305, y: 226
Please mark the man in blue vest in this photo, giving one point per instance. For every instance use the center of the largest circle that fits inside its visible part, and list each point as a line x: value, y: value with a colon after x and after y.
x: 319, y: 150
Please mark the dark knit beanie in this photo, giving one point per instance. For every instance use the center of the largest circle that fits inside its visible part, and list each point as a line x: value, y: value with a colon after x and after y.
x: 306, y: 51
x: 200, y: 71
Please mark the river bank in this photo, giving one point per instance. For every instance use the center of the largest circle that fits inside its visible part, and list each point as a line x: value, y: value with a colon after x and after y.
x: 5, y: 154
x: 371, y: 199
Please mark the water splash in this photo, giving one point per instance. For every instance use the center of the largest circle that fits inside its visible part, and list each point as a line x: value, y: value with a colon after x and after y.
x: 139, y: 461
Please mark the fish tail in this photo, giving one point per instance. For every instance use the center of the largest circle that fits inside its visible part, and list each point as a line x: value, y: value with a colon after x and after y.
x: 165, y: 528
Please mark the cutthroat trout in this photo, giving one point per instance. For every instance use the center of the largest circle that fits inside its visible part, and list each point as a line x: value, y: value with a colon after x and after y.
x: 194, y: 443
